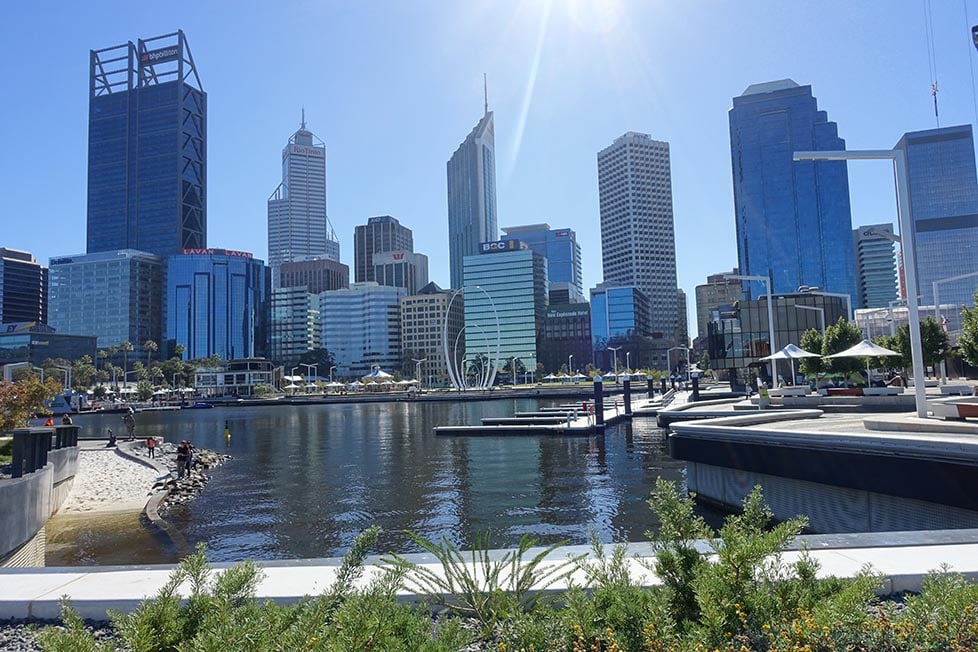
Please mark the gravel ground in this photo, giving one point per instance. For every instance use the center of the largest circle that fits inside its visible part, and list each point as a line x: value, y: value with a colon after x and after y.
x: 20, y: 635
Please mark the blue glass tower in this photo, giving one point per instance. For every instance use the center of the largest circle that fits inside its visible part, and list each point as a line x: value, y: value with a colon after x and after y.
x: 147, y: 148
x: 793, y: 219
x: 944, y: 209
x: 563, y: 254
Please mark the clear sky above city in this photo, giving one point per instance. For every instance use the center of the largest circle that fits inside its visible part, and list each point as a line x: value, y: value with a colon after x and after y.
x: 394, y: 87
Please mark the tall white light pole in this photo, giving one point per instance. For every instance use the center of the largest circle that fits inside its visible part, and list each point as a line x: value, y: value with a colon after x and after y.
x: 614, y: 352
x: 570, y: 364
x: 628, y: 361
x: 331, y: 373
x: 770, y: 313
x: 417, y: 370
x: 899, y: 158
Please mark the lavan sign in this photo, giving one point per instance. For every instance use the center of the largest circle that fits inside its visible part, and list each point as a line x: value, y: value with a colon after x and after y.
x: 500, y: 245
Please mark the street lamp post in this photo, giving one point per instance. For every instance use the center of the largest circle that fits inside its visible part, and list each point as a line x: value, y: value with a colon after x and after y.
x: 309, y: 367
x: 614, y: 352
x: 514, y: 371
x: 417, y: 370
x: 331, y: 373
x: 770, y: 312
x: 899, y: 159
x: 67, y: 371
x: 628, y: 361
x: 570, y: 364
x: 937, y: 308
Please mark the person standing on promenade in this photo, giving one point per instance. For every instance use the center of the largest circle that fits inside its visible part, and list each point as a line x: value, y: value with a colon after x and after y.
x: 151, y: 447
x: 49, y: 421
x: 130, y: 422
x: 183, y: 456
x: 66, y: 420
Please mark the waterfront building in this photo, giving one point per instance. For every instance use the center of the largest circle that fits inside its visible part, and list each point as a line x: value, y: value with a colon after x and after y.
x: 217, y: 304
x: 147, y: 148
x: 422, y: 319
x: 317, y: 275
x: 298, y: 225
x: 295, y: 327
x: 117, y: 296
x: 716, y: 292
x: 508, y: 282
x: 23, y: 288
x: 619, y: 318
x: 361, y: 327
x: 638, y: 244
x: 876, y: 269
x: 471, y: 176
x: 877, y: 322
x: 36, y: 342
x: 944, y: 210
x: 382, y: 233
x: 793, y: 218
x: 563, y: 254
x: 238, y: 377
x: 566, y: 332
x: 738, y: 335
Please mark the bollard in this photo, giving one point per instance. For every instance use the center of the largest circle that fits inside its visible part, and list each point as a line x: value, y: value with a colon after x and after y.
x: 598, y: 401
x: 628, y: 397
x: 663, y: 379
x: 651, y: 388
x: 696, y: 389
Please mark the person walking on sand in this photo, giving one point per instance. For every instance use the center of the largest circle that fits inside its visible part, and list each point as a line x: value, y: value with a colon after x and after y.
x: 183, y: 456
x: 151, y: 447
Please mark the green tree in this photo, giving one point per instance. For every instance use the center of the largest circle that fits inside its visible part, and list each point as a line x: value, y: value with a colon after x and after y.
x: 24, y: 397
x: 891, y: 342
x: 839, y: 337
x: 150, y: 347
x: 126, y: 348
x: 178, y: 351
x: 934, y: 341
x: 83, y: 373
x: 705, y: 360
x: 968, y: 342
x: 811, y: 341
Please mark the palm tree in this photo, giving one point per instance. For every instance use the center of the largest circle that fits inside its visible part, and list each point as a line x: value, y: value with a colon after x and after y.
x: 151, y: 348
x: 126, y: 347
x: 178, y: 351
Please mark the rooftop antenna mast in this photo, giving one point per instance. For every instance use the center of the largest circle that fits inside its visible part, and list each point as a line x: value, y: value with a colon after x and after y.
x: 485, y: 92
x: 302, y: 126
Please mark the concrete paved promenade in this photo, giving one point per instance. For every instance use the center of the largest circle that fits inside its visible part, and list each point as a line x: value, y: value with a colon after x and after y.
x: 903, y: 558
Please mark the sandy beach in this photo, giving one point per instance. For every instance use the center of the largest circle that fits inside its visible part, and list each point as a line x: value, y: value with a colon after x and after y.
x: 108, y: 482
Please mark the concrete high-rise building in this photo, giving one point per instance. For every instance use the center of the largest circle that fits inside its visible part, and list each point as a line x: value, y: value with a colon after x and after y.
x: 718, y: 291
x: 566, y: 338
x: 147, y: 148
x: 298, y: 226
x: 23, y: 288
x: 295, y: 325
x: 793, y: 219
x: 944, y: 210
x: 638, y: 243
x: 422, y: 318
x: 471, y: 196
x: 876, y: 270
x: 383, y: 251
x: 316, y: 276
x: 513, y: 287
x: 117, y: 296
x: 563, y: 254
x: 362, y: 327
x: 217, y: 304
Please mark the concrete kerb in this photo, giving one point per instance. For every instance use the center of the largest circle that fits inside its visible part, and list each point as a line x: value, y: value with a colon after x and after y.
x: 903, y: 558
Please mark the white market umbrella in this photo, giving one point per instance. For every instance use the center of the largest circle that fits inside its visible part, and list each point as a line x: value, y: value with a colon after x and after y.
x: 864, y: 349
x: 550, y: 377
x: 291, y: 386
x: 792, y: 353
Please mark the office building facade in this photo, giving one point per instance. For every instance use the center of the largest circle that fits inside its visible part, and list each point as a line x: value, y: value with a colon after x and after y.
x: 876, y: 270
x: 944, y: 210
x: 316, y: 276
x: 118, y: 296
x: 361, y: 327
x: 513, y: 288
x: 716, y: 292
x: 563, y: 254
x: 422, y: 320
x: 619, y: 318
x: 638, y: 243
x: 471, y: 176
x: 298, y: 225
x: 793, y: 218
x: 36, y: 342
x: 382, y: 233
x: 23, y: 288
x: 217, y: 304
x: 147, y: 148
x: 566, y: 338
x: 295, y: 327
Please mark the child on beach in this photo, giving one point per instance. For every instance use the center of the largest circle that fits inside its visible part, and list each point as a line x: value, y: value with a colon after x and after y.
x: 151, y: 447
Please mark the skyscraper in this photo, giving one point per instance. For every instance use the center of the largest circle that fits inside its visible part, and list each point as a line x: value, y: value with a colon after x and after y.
x: 718, y: 291
x: 361, y: 327
x: 471, y: 196
x: 563, y: 254
x: 876, y: 271
x: 23, y: 288
x: 383, y: 251
x: 944, y: 209
x: 638, y: 243
x: 298, y: 226
x: 147, y: 148
x: 793, y: 219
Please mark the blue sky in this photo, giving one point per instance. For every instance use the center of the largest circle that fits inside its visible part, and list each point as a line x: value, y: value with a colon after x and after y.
x: 394, y: 87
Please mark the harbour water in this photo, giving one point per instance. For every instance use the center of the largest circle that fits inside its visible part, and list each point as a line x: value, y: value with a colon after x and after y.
x: 305, y: 480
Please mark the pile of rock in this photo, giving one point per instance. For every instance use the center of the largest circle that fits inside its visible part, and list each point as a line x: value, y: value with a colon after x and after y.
x: 20, y: 635
x: 185, y: 489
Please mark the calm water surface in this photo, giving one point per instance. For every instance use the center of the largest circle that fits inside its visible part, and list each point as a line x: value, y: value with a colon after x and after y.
x: 305, y: 480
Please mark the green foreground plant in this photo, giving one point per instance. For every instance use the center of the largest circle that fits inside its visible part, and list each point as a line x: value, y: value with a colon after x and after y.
x: 734, y: 589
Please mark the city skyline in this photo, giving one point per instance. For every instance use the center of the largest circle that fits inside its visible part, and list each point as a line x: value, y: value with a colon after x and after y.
x: 541, y: 177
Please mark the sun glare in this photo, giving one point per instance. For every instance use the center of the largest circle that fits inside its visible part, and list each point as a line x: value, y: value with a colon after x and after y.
x: 600, y: 16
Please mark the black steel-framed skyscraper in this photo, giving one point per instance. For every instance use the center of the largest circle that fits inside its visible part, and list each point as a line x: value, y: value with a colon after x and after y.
x: 147, y: 148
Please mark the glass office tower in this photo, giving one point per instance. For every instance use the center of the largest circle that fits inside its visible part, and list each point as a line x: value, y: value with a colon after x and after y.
x: 147, y: 148
x: 793, y: 218
x: 217, y: 304
x: 361, y: 327
x: 944, y: 209
x: 563, y: 254
x: 23, y: 288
